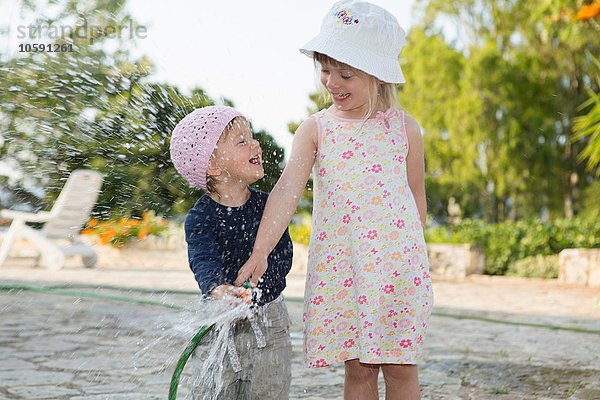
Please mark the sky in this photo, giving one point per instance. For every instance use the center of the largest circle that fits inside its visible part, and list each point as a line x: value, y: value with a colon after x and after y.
x: 246, y: 51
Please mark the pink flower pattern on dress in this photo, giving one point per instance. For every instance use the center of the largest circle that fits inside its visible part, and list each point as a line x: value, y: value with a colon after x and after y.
x: 376, y: 168
x: 368, y: 291
x: 372, y: 234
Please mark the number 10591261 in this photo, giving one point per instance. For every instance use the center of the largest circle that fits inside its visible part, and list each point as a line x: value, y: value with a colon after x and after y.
x: 45, y: 47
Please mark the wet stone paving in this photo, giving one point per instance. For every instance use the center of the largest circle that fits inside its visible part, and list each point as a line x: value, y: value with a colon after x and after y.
x: 71, y: 347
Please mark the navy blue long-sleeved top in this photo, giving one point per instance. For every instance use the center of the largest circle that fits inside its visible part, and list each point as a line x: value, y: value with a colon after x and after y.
x: 220, y: 240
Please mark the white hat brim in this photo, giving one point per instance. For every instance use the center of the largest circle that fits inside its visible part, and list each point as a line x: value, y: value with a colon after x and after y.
x: 377, y: 65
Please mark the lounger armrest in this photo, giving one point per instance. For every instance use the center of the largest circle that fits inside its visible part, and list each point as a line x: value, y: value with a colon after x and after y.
x: 42, y: 216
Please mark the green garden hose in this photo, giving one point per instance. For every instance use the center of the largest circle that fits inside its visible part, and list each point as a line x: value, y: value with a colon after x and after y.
x: 187, y: 352
x: 183, y: 359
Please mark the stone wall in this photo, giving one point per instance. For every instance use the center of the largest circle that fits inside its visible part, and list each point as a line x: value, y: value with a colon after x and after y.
x: 455, y: 261
x: 448, y: 261
x: 579, y: 267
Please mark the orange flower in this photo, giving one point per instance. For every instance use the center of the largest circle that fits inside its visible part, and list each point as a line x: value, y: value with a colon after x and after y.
x: 370, y: 267
x: 376, y: 201
x: 143, y: 233
x: 106, y: 237
x: 119, y: 231
x: 318, y: 331
x: 588, y: 12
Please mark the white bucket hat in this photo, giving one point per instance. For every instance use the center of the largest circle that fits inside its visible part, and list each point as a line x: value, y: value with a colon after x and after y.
x: 362, y: 35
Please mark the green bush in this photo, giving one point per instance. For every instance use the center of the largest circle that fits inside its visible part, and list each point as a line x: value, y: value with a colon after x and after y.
x: 507, y: 242
x: 545, y: 267
x: 300, y: 233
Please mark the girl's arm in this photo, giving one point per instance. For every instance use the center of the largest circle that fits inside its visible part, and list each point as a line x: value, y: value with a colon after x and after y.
x: 415, y: 166
x: 282, y: 201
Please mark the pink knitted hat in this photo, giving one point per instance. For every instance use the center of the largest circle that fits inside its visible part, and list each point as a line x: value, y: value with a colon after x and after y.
x: 194, y: 139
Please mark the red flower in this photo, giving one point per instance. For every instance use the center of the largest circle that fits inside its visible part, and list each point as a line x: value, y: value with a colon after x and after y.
x: 388, y: 289
x: 320, y: 363
x: 322, y: 172
x: 317, y: 300
x: 348, y: 343
x: 348, y: 282
x: 347, y: 155
x: 322, y: 236
x: 362, y: 299
x: 372, y: 234
x: 376, y: 168
x: 405, y: 343
x: 417, y: 281
x: 346, y: 219
x: 399, y: 223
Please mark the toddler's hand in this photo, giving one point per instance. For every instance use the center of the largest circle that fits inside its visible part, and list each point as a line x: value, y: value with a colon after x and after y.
x: 253, y: 270
x: 231, y: 293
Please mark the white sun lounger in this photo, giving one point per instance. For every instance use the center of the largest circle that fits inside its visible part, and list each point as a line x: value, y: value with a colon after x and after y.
x: 59, y: 237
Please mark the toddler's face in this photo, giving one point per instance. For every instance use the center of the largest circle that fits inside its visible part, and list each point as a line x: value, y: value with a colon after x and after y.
x: 238, y: 156
x: 349, y: 91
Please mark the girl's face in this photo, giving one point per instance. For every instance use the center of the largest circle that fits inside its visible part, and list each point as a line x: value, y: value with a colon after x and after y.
x: 238, y: 156
x: 349, y: 91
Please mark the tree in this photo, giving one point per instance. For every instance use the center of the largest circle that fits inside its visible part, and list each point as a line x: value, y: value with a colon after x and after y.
x: 431, y: 94
x: 45, y: 97
x: 588, y: 126
x: 94, y: 109
x: 519, y: 86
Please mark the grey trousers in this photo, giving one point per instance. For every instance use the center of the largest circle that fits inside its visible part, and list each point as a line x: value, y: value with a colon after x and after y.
x: 266, y: 372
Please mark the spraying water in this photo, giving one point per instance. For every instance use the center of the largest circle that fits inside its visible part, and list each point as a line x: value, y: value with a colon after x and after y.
x: 212, y: 327
x: 208, y: 371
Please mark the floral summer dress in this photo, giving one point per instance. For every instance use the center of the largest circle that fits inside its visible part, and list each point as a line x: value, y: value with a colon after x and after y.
x: 368, y: 291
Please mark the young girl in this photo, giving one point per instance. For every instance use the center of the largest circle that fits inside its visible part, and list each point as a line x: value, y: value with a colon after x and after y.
x: 368, y: 290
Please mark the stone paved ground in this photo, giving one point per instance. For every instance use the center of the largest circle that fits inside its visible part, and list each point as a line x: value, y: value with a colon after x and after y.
x: 73, y: 347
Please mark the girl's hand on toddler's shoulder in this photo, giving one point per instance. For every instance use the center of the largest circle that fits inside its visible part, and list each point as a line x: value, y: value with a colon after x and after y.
x: 252, y: 270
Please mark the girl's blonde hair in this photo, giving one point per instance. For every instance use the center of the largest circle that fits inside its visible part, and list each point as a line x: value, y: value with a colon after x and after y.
x: 382, y: 95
